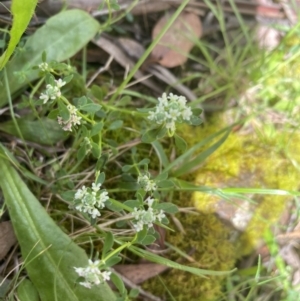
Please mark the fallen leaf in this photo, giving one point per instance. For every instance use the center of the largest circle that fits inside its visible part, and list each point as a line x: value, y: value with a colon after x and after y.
x: 139, y: 273
x: 7, y: 238
x: 176, y: 43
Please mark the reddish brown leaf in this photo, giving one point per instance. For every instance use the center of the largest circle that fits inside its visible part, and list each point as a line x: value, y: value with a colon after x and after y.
x: 174, y: 46
x: 138, y: 273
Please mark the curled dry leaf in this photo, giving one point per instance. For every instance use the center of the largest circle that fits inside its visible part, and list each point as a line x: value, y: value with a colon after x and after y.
x: 7, y: 238
x: 176, y: 43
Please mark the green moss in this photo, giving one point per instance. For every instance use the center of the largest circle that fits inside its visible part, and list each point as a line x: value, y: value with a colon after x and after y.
x: 253, y: 162
x: 207, y: 241
x: 250, y: 161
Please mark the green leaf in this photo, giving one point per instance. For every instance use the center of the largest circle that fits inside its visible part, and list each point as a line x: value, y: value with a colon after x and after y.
x: 22, y: 12
x: 164, y: 161
x: 118, y: 282
x: 162, y: 176
x: 45, y: 131
x: 126, y: 168
x: 195, y: 120
x: 49, y: 254
x: 134, y: 293
x: 26, y: 291
x: 101, y: 178
x: 148, y: 240
x: 108, y: 243
x: 197, y: 111
x: 96, y: 128
x: 132, y: 203
x: 96, y: 151
x: 81, y: 153
x: 167, y: 207
x: 62, y: 36
x: 90, y: 108
x: 165, y: 184
x: 112, y: 261
x: 180, y: 143
x: 115, y: 125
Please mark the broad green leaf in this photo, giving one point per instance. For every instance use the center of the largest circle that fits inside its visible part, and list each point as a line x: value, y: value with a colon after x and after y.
x: 26, y: 291
x: 49, y: 254
x: 62, y: 36
x: 22, y: 11
x: 45, y: 131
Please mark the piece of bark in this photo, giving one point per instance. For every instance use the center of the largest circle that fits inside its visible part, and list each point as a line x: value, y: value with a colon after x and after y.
x: 7, y: 238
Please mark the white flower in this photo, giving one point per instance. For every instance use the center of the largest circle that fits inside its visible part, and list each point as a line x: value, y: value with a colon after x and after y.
x: 60, y: 83
x: 44, y: 97
x: 92, y: 274
x: 170, y: 109
x: 163, y: 101
x: 72, y: 121
x: 80, y: 193
x: 90, y: 200
x: 187, y: 113
x: 160, y: 216
x: 44, y: 66
x: 102, y: 199
x: 95, y: 187
x: 146, y: 183
x: 149, y: 201
x: 146, y: 217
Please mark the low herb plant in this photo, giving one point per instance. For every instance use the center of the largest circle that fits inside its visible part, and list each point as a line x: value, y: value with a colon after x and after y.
x: 91, y: 124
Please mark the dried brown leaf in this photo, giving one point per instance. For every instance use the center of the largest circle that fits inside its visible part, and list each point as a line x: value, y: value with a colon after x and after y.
x: 177, y: 42
x: 138, y: 273
x: 7, y: 238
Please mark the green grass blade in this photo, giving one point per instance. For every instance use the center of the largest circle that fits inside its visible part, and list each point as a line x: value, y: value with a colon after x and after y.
x: 22, y: 11
x: 164, y: 261
x: 182, y: 160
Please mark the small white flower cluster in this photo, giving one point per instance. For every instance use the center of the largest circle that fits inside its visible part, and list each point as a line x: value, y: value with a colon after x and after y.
x: 171, y: 109
x: 90, y: 200
x: 145, y: 183
x: 147, y: 217
x: 52, y: 92
x: 72, y: 121
x: 44, y: 67
x: 92, y: 274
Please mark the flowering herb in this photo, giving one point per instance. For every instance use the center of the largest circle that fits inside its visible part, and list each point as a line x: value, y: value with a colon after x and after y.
x: 90, y: 200
x: 92, y: 274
